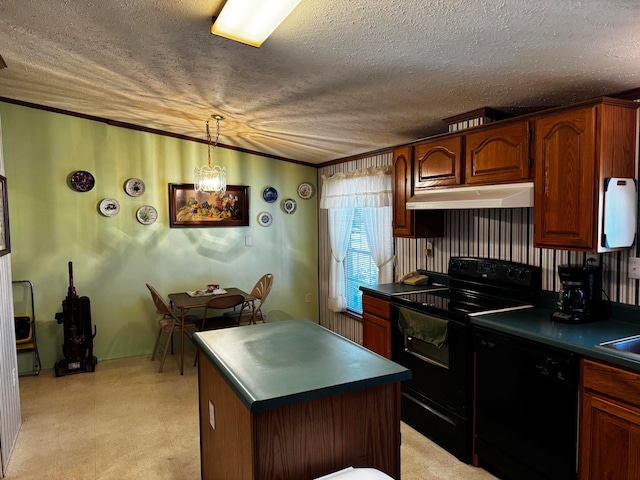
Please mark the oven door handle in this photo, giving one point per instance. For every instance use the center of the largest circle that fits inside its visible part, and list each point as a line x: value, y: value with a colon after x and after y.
x: 430, y: 409
x: 426, y: 359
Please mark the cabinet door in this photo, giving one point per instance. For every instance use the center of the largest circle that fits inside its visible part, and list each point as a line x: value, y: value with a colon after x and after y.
x: 610, y: 440
x: 438, y: 163
x: 410, y: 223
x: 401, y: 190
x: 565, y: 179
x: 376, y: 325
x: 497, y: 155
x: 376, y: 334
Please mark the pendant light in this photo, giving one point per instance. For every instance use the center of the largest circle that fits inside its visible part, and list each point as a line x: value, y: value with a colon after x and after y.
x: 210, y: 179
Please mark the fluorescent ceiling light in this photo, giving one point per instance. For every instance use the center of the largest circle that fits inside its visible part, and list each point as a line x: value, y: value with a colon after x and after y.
x: 251, y: 21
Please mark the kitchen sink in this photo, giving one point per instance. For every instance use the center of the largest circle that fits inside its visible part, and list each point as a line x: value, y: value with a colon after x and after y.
x: 627, y: 345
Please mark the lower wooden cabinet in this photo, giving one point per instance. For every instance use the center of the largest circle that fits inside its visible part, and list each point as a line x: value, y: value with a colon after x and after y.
x: 610, y: 423
x: 376, y: 325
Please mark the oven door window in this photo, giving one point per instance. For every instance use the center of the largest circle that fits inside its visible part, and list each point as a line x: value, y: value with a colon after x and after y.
x: 427, y: 351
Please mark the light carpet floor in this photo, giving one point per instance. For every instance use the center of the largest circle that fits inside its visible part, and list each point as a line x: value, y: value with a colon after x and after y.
x: 127, y: 421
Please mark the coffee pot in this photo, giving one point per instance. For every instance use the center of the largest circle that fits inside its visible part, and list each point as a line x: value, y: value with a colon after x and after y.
x: 580, y: 298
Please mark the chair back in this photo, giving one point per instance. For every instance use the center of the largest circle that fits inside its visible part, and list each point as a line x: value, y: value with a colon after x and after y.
x: 263, y: 287
x: 162, y: 307
x: 225, y: 301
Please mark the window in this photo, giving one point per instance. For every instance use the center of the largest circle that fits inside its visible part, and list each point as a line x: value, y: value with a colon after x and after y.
x: 360, y: 268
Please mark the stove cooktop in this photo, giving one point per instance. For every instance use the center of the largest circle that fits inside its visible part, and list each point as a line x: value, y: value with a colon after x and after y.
x: 478, y: 286
x: 460, y: 302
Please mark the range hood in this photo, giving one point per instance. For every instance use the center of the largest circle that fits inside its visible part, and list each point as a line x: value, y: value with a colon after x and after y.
x: 513, y: 195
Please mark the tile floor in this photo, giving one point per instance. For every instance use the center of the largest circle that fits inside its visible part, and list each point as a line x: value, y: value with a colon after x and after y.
x: 127, y: 421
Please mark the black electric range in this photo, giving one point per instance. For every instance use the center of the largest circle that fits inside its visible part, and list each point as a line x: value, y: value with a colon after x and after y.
x: 437, y: 400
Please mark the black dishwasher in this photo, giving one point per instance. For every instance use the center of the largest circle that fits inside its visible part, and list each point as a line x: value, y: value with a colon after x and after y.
x: 526, y: 407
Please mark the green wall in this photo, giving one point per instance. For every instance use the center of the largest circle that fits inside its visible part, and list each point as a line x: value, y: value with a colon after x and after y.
x: 113, y: 258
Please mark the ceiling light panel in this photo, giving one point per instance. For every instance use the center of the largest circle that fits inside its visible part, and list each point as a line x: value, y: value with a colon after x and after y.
x: 251, y: 21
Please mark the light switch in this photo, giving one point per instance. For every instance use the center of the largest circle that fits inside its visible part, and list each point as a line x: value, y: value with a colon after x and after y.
x: 248, y: 241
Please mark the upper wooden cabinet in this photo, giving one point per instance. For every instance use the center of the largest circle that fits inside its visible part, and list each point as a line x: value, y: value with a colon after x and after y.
x: 497, y: 155
x: 575, y: 150
x: 438, y: 163
x: 401, y: 191
x: 410, y: 223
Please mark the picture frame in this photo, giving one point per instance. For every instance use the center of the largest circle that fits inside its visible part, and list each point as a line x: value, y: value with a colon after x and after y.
x: 188, y: 208
x: 5, y: 239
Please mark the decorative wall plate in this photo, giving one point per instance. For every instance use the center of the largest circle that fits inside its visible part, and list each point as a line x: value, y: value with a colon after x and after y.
x: 146, y: 215
x: 270, y: 194
x: 134, y: 187
x: 289, y: 205
x: 82, y: 181
x: 109, y: 207
x: 305, y: 190
x: 265, y: 219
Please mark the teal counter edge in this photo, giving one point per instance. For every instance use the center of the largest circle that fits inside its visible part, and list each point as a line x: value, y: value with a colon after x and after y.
x: 255, y: 405
x: 536, y: 324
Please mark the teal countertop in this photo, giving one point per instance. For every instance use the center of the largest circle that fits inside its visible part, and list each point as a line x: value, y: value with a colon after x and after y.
x: 536, y: 324
x: 272, y: 365
x: 385, y: 291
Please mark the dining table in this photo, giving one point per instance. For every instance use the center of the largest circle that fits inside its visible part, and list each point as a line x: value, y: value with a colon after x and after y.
x: 185, y: 301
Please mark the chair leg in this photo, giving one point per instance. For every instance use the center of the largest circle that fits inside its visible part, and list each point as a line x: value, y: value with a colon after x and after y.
x: 244, y: 305
x: 166, y: 347
x: 155, y: 348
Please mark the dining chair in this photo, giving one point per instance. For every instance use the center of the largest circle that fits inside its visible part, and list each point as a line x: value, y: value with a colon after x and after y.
x: 169, y: 323
x: 249, y: 310
x: 222, y: 302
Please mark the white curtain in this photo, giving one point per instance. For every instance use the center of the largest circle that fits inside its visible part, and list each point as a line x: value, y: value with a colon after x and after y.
x: 369, y: 189
x: 340, y: 220
x: 378, y: 225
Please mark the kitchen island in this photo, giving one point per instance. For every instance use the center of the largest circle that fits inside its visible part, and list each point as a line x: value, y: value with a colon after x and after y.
x: 293, y: 400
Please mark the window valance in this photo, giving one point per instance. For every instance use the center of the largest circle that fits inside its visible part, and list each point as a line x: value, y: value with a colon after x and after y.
x: 366, y: 188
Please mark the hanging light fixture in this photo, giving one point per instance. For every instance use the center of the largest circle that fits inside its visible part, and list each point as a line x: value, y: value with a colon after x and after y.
x: 207, y: 178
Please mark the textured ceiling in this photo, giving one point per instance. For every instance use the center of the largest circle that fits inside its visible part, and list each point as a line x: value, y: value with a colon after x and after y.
x: 337, y: 78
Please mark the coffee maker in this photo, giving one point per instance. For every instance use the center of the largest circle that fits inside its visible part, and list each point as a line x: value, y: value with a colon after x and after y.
x: 580, y: 298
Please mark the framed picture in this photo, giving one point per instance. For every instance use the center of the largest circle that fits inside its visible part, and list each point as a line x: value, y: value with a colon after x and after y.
x: 5, y: 242
x: 188, y: 208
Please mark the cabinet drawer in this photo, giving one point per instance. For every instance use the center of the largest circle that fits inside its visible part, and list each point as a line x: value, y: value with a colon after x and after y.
x: 376, y: 306
x: 611, y: 381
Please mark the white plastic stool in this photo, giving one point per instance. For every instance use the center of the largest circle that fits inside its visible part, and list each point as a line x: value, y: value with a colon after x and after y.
x: 351, y: 473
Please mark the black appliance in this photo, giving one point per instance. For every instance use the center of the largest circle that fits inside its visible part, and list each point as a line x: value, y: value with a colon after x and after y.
x: 78, y: 338
x: 526, y: 407
x: 580, y: 298
x: 437, y: 400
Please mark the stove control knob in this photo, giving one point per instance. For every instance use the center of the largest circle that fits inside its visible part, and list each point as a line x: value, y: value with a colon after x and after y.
x: 523, y: 275
x: 512, y: 273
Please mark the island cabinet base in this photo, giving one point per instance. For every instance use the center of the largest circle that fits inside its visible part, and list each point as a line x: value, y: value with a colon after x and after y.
x: 300, y: 441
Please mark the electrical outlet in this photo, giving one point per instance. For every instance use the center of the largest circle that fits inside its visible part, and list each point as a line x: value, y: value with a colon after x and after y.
x: 634, y: 267
x: 307, y: 298
x: 428, y: 252
x: 212, y: 415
